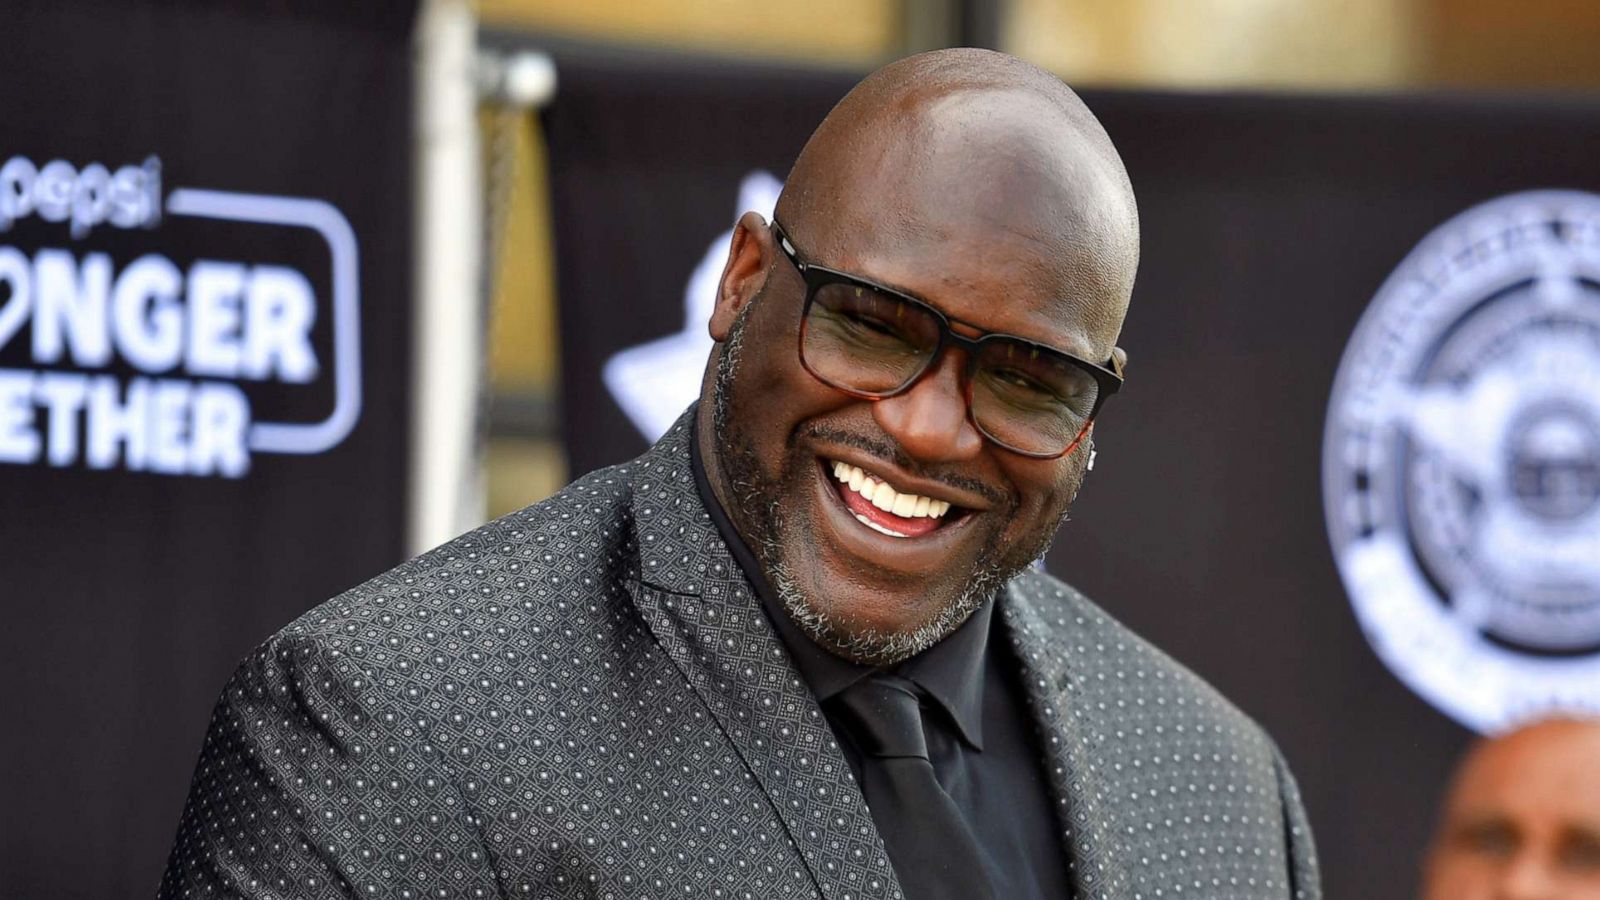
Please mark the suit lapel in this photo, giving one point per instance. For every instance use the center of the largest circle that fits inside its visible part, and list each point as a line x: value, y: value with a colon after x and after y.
x: 707, y: 618
x: 1068, y: 714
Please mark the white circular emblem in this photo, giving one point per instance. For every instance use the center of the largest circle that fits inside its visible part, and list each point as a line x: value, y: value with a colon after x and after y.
x: 1461, y: 462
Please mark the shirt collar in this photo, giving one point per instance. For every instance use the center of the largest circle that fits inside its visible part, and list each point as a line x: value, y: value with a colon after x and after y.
x: 951, y: 671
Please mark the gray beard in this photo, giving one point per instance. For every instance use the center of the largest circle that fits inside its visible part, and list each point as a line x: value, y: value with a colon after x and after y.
x: 879, y: 648
x: 759, y: 508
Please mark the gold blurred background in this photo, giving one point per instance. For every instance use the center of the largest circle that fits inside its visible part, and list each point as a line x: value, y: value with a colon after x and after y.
x: 1209, y: 45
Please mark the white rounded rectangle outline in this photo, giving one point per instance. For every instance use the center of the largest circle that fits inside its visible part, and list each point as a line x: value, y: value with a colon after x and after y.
x: 325, y: 219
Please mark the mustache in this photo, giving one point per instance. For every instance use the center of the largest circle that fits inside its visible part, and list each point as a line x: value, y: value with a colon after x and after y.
x: 891, y: 452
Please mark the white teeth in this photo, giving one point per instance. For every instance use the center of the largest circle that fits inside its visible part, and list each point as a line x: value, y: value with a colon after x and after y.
x: 886, y: 498
x: 883, y: 498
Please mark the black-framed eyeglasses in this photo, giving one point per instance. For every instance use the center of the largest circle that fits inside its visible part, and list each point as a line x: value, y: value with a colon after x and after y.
x: 874, y: 342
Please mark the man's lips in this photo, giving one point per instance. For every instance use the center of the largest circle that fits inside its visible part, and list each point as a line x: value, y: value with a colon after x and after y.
x: 871, y: 554
x: 876, y: 504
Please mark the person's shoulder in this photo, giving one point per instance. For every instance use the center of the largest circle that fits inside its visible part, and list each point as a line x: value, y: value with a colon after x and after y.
x: 1186, y: 767
x: 1138, y: 680
x: 575, y: 539
x: 493, y: 593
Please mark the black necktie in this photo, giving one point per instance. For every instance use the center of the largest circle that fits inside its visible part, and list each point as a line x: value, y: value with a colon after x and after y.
x: 932, y: 850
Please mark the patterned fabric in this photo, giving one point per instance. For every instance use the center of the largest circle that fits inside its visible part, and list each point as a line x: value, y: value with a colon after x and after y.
x: 584, y: 700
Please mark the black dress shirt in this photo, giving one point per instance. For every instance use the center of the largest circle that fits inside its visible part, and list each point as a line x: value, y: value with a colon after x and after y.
x: 980, y: 741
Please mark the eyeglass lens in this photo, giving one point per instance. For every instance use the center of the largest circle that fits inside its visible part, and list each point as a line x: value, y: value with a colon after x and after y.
x: 1026, y: 397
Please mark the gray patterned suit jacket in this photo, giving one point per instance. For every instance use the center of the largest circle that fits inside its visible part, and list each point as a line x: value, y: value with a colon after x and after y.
x: 584, y: 700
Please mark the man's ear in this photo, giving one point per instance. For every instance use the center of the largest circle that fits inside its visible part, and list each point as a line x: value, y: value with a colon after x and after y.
x: 1119, y: 361
x: 749, y: 259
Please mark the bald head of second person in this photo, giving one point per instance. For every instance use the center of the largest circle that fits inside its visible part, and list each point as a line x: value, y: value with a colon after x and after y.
x: 966, y: 196
x: 1522, y: 818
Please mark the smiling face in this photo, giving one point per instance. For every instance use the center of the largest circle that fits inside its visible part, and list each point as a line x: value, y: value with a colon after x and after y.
x: 883, y: 524
x: 1523, y: 819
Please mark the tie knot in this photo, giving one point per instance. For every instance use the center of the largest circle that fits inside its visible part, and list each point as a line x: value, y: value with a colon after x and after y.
x: 884, y: 715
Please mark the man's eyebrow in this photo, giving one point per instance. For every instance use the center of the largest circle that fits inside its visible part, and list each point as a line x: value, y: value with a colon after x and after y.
x: 1479, y: 818
x: 1476, y: 825
x: 960, y: 325
x: 1584, y: 831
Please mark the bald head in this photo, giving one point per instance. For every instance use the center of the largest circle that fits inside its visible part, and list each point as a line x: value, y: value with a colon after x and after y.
x: 1522, y: 819
x: 956, y: 148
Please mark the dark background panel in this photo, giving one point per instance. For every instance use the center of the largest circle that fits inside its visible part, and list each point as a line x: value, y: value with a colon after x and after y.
x: 645, y: 165
x: 1268, y: 224
x: 129, y: 597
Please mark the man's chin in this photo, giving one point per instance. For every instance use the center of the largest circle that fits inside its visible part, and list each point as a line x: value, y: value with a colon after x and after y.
x: 873, y: 629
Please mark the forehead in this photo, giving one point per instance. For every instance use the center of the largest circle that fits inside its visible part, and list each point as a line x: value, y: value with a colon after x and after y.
x: 977, y: 212
x: 1549, y: 774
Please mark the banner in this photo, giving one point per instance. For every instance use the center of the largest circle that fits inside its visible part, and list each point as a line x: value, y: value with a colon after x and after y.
x: 1269, y: 226
x: 204, y: 329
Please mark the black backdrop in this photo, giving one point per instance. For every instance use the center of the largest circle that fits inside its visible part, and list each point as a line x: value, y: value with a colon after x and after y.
x: 129, y: 596
x: 1269, y: 222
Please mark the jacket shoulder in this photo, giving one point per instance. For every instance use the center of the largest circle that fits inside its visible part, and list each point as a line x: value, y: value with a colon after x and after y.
x: 477, y: 605
x: 1139, y: 682
x: 1177, y: 765
x: 405, y: 688
x: 559, y: 549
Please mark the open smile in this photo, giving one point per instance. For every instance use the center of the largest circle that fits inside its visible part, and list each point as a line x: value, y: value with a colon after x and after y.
x: 877, y: 505
x: 874, y: 502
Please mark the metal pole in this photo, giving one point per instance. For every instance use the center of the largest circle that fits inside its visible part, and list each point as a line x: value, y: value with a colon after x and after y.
x: 446, y: 482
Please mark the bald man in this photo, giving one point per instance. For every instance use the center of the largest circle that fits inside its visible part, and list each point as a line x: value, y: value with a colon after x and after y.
x: 1522, y: 819
x: 796, y: 649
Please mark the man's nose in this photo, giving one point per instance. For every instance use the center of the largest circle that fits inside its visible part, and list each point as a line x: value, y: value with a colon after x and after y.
x: 930, y: 421
x: 1526, y: 877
